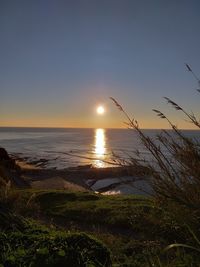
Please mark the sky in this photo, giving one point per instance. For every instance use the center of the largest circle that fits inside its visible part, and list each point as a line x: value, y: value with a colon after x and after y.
x: 60, y: 59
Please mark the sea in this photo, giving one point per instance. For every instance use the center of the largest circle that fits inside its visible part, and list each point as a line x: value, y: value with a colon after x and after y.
x: 61, y: 148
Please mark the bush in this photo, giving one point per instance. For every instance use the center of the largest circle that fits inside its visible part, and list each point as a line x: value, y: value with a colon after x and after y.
x: 26, y: 243
x: 44, y: 248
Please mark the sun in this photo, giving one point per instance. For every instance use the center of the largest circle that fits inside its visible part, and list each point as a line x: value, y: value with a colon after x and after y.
x: 100, y: 110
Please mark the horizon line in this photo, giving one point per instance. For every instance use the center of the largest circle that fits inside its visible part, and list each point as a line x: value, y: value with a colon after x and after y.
x: 52, y: 127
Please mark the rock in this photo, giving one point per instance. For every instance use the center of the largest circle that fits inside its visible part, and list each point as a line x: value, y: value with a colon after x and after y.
x: 6, y: 161
x: 11, y: 170
x: 4, y: 155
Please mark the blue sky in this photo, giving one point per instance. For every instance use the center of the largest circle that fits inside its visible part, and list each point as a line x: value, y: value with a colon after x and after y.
x: 62, y: 58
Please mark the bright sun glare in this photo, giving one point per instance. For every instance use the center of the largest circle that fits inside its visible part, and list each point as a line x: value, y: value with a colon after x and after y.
x: 100, y: 110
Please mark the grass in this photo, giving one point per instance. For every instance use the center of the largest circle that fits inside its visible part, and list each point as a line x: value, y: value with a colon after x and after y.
x: 26, y: 242
x: 94, y: 208
x: 133, y: 228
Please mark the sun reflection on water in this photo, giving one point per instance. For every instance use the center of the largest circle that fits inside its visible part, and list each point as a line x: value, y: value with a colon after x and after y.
x: 100, y: 147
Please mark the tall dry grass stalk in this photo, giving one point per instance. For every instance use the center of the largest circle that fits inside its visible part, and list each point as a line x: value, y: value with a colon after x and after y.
x: 175, y: 170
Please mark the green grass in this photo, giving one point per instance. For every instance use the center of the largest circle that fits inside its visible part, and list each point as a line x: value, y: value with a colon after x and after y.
x: 95, y: 210
x: 134, y: 228
x: 36, y: 247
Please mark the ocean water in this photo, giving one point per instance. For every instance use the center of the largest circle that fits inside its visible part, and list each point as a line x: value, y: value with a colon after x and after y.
x: 68, y: 147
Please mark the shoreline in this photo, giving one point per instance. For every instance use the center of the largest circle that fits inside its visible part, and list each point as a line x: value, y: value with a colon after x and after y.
x: 80, y: 178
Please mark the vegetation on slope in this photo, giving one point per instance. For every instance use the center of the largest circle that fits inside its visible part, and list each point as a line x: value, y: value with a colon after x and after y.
x: 27, y: 243
x: 135, y: 229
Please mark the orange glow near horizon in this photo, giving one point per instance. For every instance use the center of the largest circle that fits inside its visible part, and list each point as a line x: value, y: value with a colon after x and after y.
x: 89, y: 120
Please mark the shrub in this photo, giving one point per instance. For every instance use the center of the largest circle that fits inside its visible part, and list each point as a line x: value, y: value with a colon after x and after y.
x: 45, y: 248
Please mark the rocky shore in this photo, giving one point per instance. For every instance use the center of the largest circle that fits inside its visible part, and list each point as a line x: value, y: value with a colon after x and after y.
x: 24, y: 173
